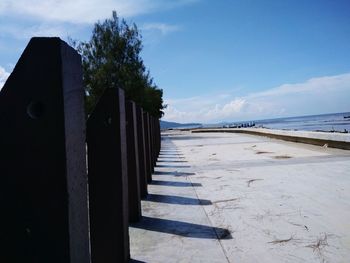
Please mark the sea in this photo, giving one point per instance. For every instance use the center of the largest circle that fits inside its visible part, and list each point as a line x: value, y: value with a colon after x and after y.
x: 334, y: 122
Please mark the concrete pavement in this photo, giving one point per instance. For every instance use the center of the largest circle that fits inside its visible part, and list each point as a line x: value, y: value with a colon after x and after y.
x: 241, y: 198
x: 175, y: 227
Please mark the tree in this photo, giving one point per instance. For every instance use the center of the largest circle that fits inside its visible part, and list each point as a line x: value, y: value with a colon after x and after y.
x: 111, y: 58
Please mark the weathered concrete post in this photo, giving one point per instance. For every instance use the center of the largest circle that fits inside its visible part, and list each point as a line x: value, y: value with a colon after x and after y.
x: 108, y: 182
x: 158, y: 139
x: 43, y: 189
x: 133, y: 163
x: 154, y: 150
x: 141, y: 149
x: 155, y: 138
x: 151, y: 141
x: 148, y: 147
x: 159, y: 136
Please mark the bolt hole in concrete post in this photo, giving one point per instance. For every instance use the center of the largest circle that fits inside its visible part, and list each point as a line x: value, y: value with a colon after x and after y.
x: 35, y: 110
x: 108, y: 121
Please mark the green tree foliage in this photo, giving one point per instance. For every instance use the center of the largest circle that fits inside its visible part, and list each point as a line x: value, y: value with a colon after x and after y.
x: 111, y: 58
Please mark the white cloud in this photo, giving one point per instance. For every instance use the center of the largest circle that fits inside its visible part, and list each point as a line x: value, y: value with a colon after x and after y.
x: 234, y: 106
x: 311, y: 85
x: 47, y: 30
x: 84, y: 11
x: 163, y: 28
x: 3, y: 76
x: 314, y: 96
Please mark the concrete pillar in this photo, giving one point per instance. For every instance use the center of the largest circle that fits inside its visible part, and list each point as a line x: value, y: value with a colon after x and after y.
x: 151, y: 136
x: 158, y: 139
x: 43, y: 189
x: 151, y: 133
x: 155, y: 143
x: 141, y: 150
x: 148, y: 147
x: 133, y: 163
x: 108, y: 182
x: 155, y: 154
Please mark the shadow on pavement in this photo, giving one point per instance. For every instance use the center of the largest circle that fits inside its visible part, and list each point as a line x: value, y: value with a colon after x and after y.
x: 172, y: 183
x: 171, y: 161
x: 173, y: 166
x: 166, y: 155
x: 174, y: 173
x: 182, y: 228
x: 170, y: 157
x: 179, y: 200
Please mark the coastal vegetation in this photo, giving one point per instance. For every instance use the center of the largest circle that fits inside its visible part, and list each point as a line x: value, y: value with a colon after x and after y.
x: 111, y: 59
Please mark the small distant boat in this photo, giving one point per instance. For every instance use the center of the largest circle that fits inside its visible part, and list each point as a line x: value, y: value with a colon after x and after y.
x: 347, y: 117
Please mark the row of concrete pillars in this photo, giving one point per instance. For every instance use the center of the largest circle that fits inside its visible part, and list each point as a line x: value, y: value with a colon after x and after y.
x: 69, y: 188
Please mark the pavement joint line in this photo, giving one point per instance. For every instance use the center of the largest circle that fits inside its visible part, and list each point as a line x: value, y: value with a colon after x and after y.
x: 211, y: 223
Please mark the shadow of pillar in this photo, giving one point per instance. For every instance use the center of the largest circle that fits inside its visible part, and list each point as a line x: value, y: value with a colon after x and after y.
x: 108, y: 185
x: 183, y: 229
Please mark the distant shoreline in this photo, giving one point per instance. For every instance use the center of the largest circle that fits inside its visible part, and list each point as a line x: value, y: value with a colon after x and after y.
x: 332, y: 122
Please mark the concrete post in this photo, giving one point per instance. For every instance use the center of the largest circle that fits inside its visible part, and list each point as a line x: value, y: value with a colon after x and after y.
x: 158, y: 139
x: 155, y: 140
x: 141, y: 149
x: 148, y: 147
x: 43, y: 189
x: 108, y: 182
x: 151, y: 134
x: 133, y: 163
x: 156, y: 143
x: 151, y: 142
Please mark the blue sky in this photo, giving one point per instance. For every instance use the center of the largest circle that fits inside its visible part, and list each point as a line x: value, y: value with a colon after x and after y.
x: 222, y: 60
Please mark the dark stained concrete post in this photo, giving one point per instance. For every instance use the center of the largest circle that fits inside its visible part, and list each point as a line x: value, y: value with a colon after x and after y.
x: 155, y: 139
x: 157, y: 134
x: 159, y: 137
x: 148, y: 146
x: 43, y: 189
x: 133, y: 163
x: 151, y: 141
x: 155, y: 120
x: 154, y: 151
x: 108, y: 184
x: 141, y: 149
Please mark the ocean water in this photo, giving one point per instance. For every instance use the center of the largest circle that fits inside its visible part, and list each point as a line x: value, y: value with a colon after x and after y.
x: 324, y: 122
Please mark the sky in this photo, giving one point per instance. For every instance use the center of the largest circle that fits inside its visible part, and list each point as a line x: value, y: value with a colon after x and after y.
x: 224, y: 60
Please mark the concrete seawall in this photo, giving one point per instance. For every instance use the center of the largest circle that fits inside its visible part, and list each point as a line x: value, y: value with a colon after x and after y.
x: 333, y: 140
